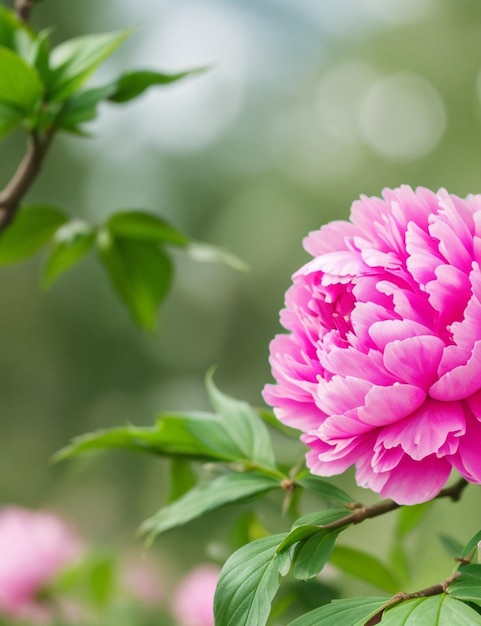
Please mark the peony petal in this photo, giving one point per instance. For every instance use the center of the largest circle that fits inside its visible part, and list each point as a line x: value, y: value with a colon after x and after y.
x: 384, y: 332
x: 328, y: 460
x: 340, y: 394
x: 450, y: 246
x: 449, y: 293
x: 330, y: 238
x: 425, y: 431
x: 385, y: 405
x: 413, y: 482
x: 339, y: 263
x: 460, y: 382
x: 414, y: 360
x: 350, y: 362
x: 467, y: 459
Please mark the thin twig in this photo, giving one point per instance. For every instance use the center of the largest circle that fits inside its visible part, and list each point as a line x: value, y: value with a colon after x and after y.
x: 360, y: 513
x: 433, y: 590
x: 24, y: 176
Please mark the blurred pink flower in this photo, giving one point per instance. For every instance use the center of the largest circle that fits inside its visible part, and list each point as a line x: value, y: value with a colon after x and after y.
x: 140, y: 579
x: 382, y: 366
x: 34, y: 548
x: 193, y: 603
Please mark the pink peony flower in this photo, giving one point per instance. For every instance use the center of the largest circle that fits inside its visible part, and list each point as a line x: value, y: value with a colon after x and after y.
x: 382, y: 366
x: 193, y: 603
x: 34, y: 547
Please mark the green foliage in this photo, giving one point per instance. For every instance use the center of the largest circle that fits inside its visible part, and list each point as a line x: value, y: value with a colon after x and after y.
x: 32, y: 73
x: 20, y: 90
x: 142, y: 226
x: 351, y: 612
x: 70, y: 244
x: 9, y: 29
x: 321, y: 487
x: 133, y: 84
x: 10, y: 117
x: 140, y: 273
x: 439, y: 610
x: 81, y: 107
x: 206, y: 253
x: 312, y: 554
x: 198, y: 436
x: 32, y: 230
x: 227, y: 436
x: 74, y: 61
x: 307, y: 546
x: 471, y: 545
x: 243, y: 425
x: 224, y: 489
x: 249, y: 581
x: 467, y: 587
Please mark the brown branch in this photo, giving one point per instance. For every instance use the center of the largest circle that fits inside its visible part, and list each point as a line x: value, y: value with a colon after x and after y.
x: 360, y: 513
x: 22, y: 9
x: 24, y: 176
x: 433, y: 590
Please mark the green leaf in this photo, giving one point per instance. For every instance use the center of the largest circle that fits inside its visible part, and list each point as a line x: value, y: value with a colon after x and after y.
x: 440, y: 610
x: 81, y: 107
x: 143, y: 226
x: 10, y: 117
x: 71, y: 243
x: 322, y: 487
x: 38, y: 54
x: 131, y: 438
x: 32, y: 229
x: 9, y: 24
x: 314, y: 543
x: 308, y: 525
x: 244, y: 426
x: 20, y: 85
x: 133, y: 84
x: 249, y: 581
x: 181, y: 478
x: 206, y: 253
x: 198, y: 436
x: 223, y: 490
x: 75, y: 60
x: 471, y: 545
x: 16, y: 35
x: 311, y: 555
x: 350, y: 612
x: 468, y: 586
x: 365, y: 567
x: 140, y: 273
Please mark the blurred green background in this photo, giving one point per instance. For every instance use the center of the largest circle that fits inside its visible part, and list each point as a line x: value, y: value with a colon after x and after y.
x: 307, y: 104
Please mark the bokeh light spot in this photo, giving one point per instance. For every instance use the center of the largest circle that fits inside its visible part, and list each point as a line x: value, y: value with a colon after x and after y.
x: 402, y: 117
